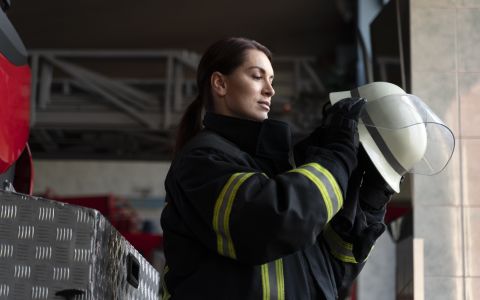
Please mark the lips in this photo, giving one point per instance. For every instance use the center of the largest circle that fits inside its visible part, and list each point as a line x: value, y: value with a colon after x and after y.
x: 265, y: 105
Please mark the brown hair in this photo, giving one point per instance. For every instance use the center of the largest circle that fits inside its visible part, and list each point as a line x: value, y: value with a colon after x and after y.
x: 224, y: 56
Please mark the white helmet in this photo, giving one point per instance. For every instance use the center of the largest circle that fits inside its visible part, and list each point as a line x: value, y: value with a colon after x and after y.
x: 399, y: 132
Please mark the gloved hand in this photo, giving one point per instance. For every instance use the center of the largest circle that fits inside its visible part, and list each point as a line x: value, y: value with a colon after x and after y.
x: 343, y: 112
x: 355, y: 224
x: 344, y: 220
x: 335, y: 140
x: 375, y: 191
x: 339, y: 123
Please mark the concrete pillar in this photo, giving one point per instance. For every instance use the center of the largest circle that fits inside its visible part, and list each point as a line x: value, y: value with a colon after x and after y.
x: 446, y: 74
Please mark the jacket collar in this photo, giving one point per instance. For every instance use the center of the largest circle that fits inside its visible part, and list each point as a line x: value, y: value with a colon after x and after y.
x: 270, y: 138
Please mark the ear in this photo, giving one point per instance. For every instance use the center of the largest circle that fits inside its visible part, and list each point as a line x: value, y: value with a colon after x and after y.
x: 218, y: 84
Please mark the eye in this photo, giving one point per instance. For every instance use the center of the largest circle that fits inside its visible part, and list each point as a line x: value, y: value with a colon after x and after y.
x: 256, y: 77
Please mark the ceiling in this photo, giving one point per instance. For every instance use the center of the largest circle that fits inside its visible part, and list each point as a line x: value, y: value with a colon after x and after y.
x: 288, y: 27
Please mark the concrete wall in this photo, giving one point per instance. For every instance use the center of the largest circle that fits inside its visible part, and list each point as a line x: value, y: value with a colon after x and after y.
x: 445, y: 37
x: 140, y: 183
x: 380, y: 268
x: 129, y: 179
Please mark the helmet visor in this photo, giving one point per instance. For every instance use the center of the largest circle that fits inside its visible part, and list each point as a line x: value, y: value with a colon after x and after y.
x: 409, y: 134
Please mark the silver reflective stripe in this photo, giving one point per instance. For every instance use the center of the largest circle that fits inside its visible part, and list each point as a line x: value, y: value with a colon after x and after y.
x: 273, y: 283
x: 338, y: 247
x: 221, y: 214
x: 326, y: 184
x: 382, y: 146
x: 330, y: 183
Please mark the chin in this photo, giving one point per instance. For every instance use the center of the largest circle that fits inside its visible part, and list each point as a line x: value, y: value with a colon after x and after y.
x: 260, y: 118
x: 255, y: 116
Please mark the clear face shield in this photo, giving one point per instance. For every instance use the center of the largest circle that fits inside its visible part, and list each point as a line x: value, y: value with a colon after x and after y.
x: 411, y: 137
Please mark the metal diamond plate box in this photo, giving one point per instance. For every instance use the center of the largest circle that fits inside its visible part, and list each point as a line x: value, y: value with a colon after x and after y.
x: 52, y: 250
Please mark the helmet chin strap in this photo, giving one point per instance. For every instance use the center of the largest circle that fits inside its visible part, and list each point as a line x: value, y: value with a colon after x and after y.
x: 355, y: 93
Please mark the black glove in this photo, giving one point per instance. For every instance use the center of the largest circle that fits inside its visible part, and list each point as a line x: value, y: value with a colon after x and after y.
x: 335, y: 140
x: 338, y: 131
x: 375, y: 191
x: 343, y: 112
x: 344, y: 220
x: 339, y: 123
x: 353, y: 223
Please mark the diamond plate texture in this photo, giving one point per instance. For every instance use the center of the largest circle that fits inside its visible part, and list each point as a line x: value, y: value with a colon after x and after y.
x: 49, y: 248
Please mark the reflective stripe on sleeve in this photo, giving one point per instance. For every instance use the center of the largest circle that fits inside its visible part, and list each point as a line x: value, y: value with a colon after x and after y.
x: 165, y: 294
x: 326, y: 184
x: 333, y: 183
x: 273, y: 283
x: 265, y: 282
x: 280, y: 279
x: 339, y: 248
x: 221, y: 214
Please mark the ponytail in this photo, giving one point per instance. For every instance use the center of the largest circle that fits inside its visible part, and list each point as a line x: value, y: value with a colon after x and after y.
x: 191, y: 123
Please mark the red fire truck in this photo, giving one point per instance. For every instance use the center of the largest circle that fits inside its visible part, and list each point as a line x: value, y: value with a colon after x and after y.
x: 16, y: 170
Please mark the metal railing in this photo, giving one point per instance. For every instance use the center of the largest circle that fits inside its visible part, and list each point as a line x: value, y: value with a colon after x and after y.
x: 51, y: 69
x: 144, y: 92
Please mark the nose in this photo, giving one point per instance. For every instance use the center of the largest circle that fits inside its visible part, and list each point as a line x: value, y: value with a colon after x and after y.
x: 268, y: 89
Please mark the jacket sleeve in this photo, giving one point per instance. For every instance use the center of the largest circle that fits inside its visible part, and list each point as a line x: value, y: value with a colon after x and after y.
x: 240, y: 213
x: 352, y: 233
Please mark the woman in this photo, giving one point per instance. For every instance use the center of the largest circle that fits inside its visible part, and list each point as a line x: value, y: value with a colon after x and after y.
x: 241, y: 222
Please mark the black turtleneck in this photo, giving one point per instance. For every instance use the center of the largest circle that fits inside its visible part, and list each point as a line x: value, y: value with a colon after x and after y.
x: 268, y: 141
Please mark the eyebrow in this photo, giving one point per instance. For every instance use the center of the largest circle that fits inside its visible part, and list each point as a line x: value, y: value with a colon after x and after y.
x: 261, y: 70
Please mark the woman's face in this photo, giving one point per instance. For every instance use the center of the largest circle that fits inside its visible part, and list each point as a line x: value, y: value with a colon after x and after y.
x: 247, y: 92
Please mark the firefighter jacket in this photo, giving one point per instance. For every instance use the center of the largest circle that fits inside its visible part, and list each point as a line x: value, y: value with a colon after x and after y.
x: 242, y: 223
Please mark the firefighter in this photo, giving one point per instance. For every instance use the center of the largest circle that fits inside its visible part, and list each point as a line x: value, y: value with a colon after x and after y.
x: 241, y: 220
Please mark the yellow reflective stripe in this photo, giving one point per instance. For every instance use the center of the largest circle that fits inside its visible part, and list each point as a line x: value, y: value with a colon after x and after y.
x: 219, y: 201
x: 337, y: 239
x: 317, y: 171
x: 321, y: 187
x: 265, y: 282
x: 345, y: 258
x: 338, y: 247
x: 166, y: 295
x: 280, y: 279
x: 273, y: 282
x: 332, y: 181
x: 221, y: 213
x: 216, y: 212
x: 226, y: 221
